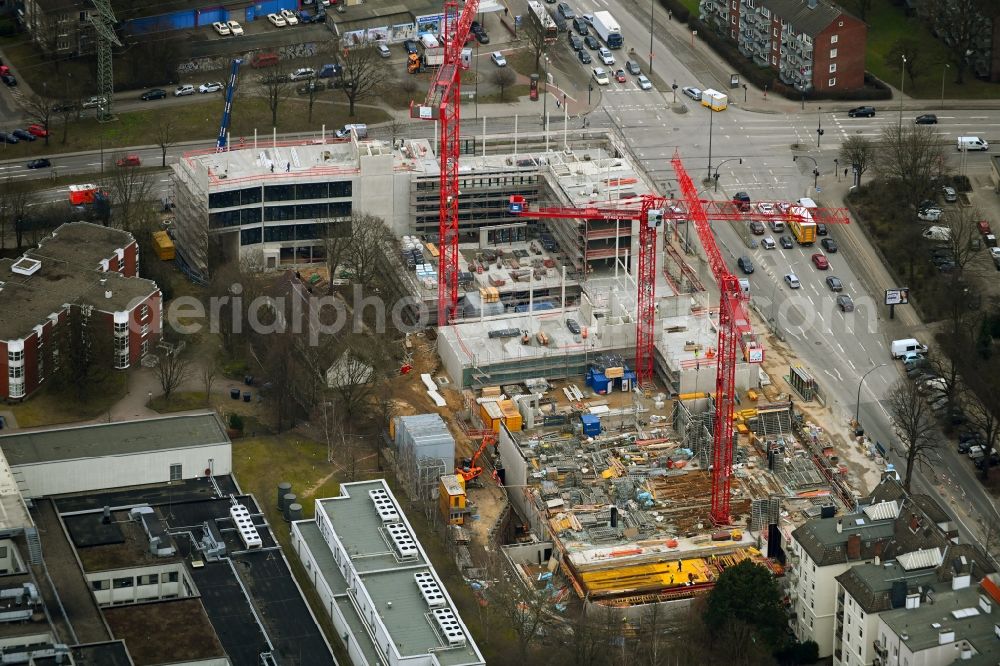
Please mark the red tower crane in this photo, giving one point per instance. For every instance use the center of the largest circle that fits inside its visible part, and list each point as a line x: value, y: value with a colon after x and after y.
x: 442, y: 105
x: 734, y: 324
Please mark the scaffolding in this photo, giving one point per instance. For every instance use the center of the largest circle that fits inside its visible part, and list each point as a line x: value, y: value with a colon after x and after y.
x: 695, y: 430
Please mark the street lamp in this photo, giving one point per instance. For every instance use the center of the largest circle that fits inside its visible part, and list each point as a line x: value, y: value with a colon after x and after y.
x: 716, y: 176
x: 545, y: 95
x: 902, y: 81
x: 651, y: 6
x: 857, y: 411
x: 711, y: 119
x: 819, y: 124
x: 943, y: 70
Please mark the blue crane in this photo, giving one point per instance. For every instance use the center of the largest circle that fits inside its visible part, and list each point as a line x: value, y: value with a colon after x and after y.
x: 220, y: 144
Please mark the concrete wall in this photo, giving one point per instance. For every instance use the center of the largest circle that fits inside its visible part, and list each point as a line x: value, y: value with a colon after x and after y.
x: 83, y: 474
x: 141, y: 589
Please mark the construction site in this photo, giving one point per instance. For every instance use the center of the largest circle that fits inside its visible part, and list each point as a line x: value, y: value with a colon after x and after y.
x: 601, y: 407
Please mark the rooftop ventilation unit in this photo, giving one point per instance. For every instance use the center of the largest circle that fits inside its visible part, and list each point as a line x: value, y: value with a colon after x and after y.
x: 384, y: 506
x: 405, y: 546
x: 449, y: 627
x: 429, y: 588
x: 244, y: 523
x: 159, y: 540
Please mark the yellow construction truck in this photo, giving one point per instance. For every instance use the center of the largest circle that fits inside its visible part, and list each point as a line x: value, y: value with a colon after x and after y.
x: 803, y: 227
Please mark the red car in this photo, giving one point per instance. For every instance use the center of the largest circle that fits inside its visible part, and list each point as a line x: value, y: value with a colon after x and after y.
x: 820, y: 260
x: 984, y: 227
x: 129, y: 161
x: 620, y: 76
x: 38, y: 130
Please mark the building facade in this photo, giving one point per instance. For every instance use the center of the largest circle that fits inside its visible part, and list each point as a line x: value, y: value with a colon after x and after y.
x: 85, y: 267
x: 59, y: 27
x: 889, y: 525
x: 813, y: 45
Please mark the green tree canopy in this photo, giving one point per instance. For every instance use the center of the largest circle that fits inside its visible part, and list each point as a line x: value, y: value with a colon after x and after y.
x: 749, y: 594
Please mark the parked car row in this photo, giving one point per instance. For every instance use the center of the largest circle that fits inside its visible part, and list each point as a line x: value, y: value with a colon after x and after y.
x: 30, y: 133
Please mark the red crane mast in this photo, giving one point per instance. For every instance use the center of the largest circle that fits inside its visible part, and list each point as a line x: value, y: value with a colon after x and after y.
x: 650, y: 210
x: 442, y: 105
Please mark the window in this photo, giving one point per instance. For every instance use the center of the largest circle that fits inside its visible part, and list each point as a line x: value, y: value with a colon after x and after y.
x: 342, y: 188
x: 833, y: 68
x: 16, y: 371
x: 98, y: 585
x: 734, y: 20
x: 775, y: 31
x: 151, y: 579
x: 145, y: 347
x: 175, y: 472
x: 279, y: 192
x: 765, y: 12
x: 774, y: 60
x: 15, y: 356
x: 840, y: 24
x: 834, y: 39
x: 832, y: 82
x: 143, y: 312
x: 833, y: 53
x: 172, y: 576
x: 122, y: 583
x: 144, y: 331
x: 250, y: 236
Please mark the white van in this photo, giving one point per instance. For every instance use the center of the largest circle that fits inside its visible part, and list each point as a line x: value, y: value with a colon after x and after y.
x: 360, y: 129
x: 972, y: 143
x: 429, y: 41
x: 899, y: 348
x: 806, y: 202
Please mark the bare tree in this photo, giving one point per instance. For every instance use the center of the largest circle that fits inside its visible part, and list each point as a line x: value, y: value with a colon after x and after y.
x: 962, y: 233
x: 280, y: 367
x: 209, y: 371
x: 15, y: 199
x: 364, y: 74
x: 40, y: 111
x: 503, y: 78
x: 907, y: 53
x: 336, y: 244
x: 165, y: 136
x: 130, y: 189
x: 523, y: 608
x: 858, y: 152
x: 960, y: 25
x: 310, y: 89
x: 536, y: 43
x: 914, y: 425
x: 274, y: 87
x: 913, y: 157
x: 408, y: 85
x: 369, y: 236
x: 352, y: 376
x: 171, y: 371
x: 982, y: 400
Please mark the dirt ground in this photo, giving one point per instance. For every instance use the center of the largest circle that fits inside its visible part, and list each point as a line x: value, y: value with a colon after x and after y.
x: 863, y: 472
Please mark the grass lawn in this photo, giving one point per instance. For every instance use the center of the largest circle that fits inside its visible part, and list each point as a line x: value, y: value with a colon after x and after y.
x: 197, y: 120
x: 179, y: 402
x: 888, y: 24
x: 50, y: 407
x: 692, y: 6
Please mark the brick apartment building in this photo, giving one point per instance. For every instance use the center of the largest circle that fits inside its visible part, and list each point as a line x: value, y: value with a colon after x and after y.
x: 81, y: 265
x: 813, y: 45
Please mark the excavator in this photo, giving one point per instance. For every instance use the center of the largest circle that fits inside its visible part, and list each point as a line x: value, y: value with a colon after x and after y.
x: 470, y: 470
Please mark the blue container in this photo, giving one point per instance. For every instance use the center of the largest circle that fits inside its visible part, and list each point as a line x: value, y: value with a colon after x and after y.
x: 591, y: 425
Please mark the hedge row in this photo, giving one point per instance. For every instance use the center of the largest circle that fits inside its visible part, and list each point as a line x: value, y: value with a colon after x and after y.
x: 679, y: 11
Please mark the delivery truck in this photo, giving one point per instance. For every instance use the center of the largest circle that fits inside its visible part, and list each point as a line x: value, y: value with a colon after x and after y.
x: 607, y: 28
x: 714, y: 100
x: 803, y: 227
